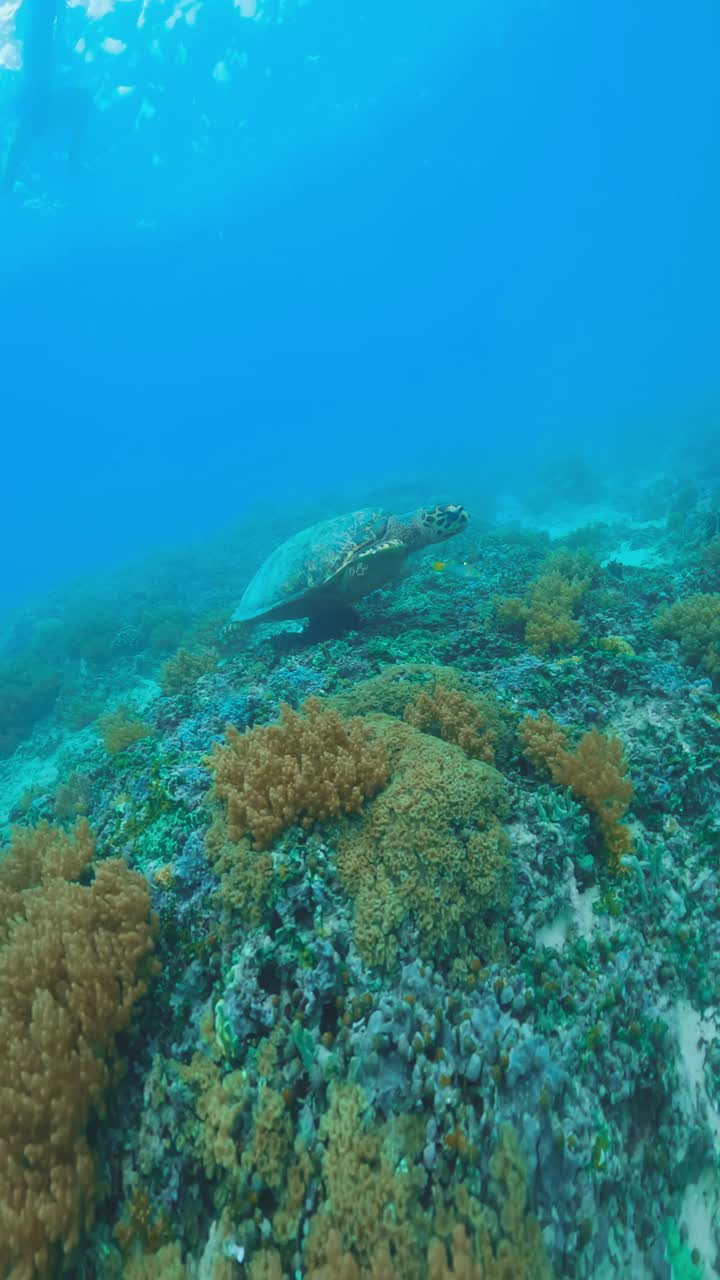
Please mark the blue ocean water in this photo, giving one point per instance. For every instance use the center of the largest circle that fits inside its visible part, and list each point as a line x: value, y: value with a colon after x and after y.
x: 426, y: 848
x: 327, y: 244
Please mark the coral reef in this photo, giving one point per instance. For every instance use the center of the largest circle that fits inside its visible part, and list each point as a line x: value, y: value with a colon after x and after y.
x: 474, y: 724
x: 121, y: 728
x: 407, y: 1021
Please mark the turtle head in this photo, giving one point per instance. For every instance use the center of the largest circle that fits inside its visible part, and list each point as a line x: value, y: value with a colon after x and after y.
x: 441, y: 522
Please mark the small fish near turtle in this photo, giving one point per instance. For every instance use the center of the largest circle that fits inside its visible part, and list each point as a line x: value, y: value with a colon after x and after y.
x: 321, y: 571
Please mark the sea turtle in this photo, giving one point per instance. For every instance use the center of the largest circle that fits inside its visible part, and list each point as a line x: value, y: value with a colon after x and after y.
x: 337, y: 561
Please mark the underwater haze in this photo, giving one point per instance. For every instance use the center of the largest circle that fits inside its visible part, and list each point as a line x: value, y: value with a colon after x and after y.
x: 359, y: 640
x: 320, y: 245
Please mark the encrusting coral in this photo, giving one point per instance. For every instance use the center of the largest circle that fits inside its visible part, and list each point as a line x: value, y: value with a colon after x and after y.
x: 310, y: 766
x: 430, y: 848
x: 74, y: 960
x: 596, y: 772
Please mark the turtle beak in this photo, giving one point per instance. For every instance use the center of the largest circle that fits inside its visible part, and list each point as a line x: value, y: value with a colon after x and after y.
x: 456, y: 517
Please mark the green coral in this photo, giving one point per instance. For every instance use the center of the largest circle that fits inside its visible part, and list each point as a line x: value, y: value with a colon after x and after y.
x: 28, y: 690
x: 430, y: 849
x: 122, y: 728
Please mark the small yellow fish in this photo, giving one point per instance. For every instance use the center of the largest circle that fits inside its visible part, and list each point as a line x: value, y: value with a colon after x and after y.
x: 438, y: 565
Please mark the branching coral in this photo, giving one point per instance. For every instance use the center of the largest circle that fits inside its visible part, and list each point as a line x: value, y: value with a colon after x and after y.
x: 74, y: 959
x: 596, y: 772
x: 695, y: 623
x: 430, y: 849
x: 307, y: 768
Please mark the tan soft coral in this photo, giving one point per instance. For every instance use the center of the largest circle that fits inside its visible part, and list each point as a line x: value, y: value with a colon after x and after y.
x: 245, y: 876
x: 371, y: 1225
x: 219, y: 1102
x: 368, y: 1201
x: 596, y: 772
x: 269, y: 1155
x: 547, y: 618
x: 472, y: 723
x: 74, y: 959
x: 122, y: 728
x: 550, y: 622
x: 311, y: 766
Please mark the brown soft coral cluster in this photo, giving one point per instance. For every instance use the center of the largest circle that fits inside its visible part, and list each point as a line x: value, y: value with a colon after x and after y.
x: 430, y: 849
x: 546, y: 618
x: 371, y: 1225
x: 74, y: 959
x: 219, y: 1103
x: 373, y: 1212
x: 368, y: 1205
x: 596, y: 772
x: 311, y: 766
x: 245, y: 876
x: 474, y: 724
x: 695, y: 623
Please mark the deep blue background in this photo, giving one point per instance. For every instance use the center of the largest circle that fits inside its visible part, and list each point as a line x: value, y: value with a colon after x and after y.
x: 505, y: 241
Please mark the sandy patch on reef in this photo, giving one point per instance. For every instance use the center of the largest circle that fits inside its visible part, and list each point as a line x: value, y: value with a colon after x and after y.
x: 576, y: 915
x: 700, y: 1213
x: 26, y: 770
x: 51, y: 753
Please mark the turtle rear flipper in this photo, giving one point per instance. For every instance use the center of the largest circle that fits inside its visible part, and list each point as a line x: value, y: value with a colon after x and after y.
x: 332, y: 622
x: 231, y: 631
